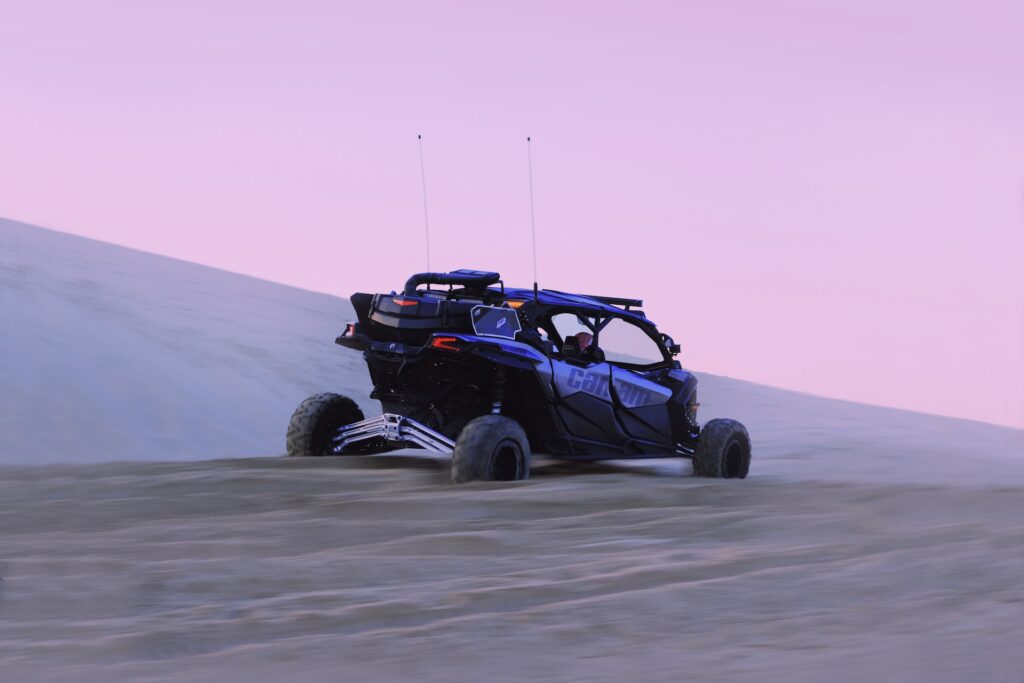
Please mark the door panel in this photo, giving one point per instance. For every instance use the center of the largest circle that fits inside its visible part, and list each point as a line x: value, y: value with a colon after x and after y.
x: 585, y: 400
x: 642, y: 405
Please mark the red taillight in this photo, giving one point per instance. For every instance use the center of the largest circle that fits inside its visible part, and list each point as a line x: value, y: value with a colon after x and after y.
x: 405, y: 302
x: 350, y: 330
x: 445, y: 343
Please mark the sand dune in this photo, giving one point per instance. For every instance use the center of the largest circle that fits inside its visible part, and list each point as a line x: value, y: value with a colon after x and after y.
x: 867, y: 542
x: 147, y: 357
x: 109, y: 353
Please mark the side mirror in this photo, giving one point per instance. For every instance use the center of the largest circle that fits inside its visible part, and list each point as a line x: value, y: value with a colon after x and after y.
x: 670, y: 344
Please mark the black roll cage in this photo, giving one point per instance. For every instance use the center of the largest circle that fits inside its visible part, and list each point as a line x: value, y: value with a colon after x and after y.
x: 596, y: 321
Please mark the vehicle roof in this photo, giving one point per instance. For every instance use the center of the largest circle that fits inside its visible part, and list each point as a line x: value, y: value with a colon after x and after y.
x: 488, y: 281
x: 550, y: 297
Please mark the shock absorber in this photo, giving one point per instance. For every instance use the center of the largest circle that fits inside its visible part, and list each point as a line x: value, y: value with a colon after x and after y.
x: 499, y: 391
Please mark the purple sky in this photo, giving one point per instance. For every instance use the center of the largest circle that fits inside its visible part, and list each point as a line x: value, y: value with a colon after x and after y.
x: 821, y: 196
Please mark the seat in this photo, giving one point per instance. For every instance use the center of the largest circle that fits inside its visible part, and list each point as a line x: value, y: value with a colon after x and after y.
x: 571, y: 347
x: 533, y: 338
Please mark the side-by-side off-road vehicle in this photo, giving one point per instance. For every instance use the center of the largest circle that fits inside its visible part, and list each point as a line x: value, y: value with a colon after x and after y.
x: 492, y: 374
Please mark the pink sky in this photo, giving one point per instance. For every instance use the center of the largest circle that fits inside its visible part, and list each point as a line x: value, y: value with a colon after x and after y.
x: 821, y: 196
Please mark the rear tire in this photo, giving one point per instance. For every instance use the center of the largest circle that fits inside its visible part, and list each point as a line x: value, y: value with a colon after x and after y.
x: 491, y: 448
x: 316, y: 422
x: 723, y: 450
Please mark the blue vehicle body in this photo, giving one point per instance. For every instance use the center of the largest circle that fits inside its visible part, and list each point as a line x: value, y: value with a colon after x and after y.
x: 474, y: 347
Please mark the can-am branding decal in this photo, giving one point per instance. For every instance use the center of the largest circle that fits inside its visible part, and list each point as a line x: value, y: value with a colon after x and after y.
x: 630, y: 391
x: 594, y: 383
x: 573, y: 380
x: 636, y: 392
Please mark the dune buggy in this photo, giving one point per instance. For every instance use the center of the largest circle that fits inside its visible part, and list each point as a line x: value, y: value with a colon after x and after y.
x: 460, y: 363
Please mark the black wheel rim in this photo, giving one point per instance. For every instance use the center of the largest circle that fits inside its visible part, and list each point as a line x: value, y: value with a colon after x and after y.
x: 732, y: 463
x: 507, y: 461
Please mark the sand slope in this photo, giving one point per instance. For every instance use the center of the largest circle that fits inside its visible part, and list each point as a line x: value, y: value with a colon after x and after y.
x: 108, y: 353
x: 868, y: 542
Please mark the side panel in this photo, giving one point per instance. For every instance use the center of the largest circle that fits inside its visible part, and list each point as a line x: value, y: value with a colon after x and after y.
x: 642, y: 405
x: 514, y: 353
x: 585, y: 402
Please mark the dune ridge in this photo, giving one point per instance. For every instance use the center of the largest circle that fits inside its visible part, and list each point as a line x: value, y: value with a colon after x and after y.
x: 145, y: 357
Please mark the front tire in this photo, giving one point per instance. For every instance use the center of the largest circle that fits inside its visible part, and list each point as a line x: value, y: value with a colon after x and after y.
x: 723, y: 450
x: 491, y: 448
x: 316, y: 421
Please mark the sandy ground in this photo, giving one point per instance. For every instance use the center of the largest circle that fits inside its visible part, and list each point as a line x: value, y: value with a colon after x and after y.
x: 378, y: 568
x: 867, y: 543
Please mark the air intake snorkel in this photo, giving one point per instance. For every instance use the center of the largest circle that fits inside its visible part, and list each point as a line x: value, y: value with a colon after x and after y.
x: 470, y: 279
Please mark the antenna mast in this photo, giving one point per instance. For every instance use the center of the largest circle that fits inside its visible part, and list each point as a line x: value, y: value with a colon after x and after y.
x: 533, y: 221
x: 426, y: 220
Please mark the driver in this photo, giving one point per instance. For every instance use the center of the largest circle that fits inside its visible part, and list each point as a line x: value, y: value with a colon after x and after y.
x: 585, y: 339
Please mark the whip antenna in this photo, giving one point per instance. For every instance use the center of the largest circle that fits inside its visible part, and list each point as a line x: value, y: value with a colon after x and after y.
x: 533, y: 221
x: 426, y: 220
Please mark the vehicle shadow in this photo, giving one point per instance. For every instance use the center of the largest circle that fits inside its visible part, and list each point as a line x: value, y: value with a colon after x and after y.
x: 543, y: 467
x: 396, y: 460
